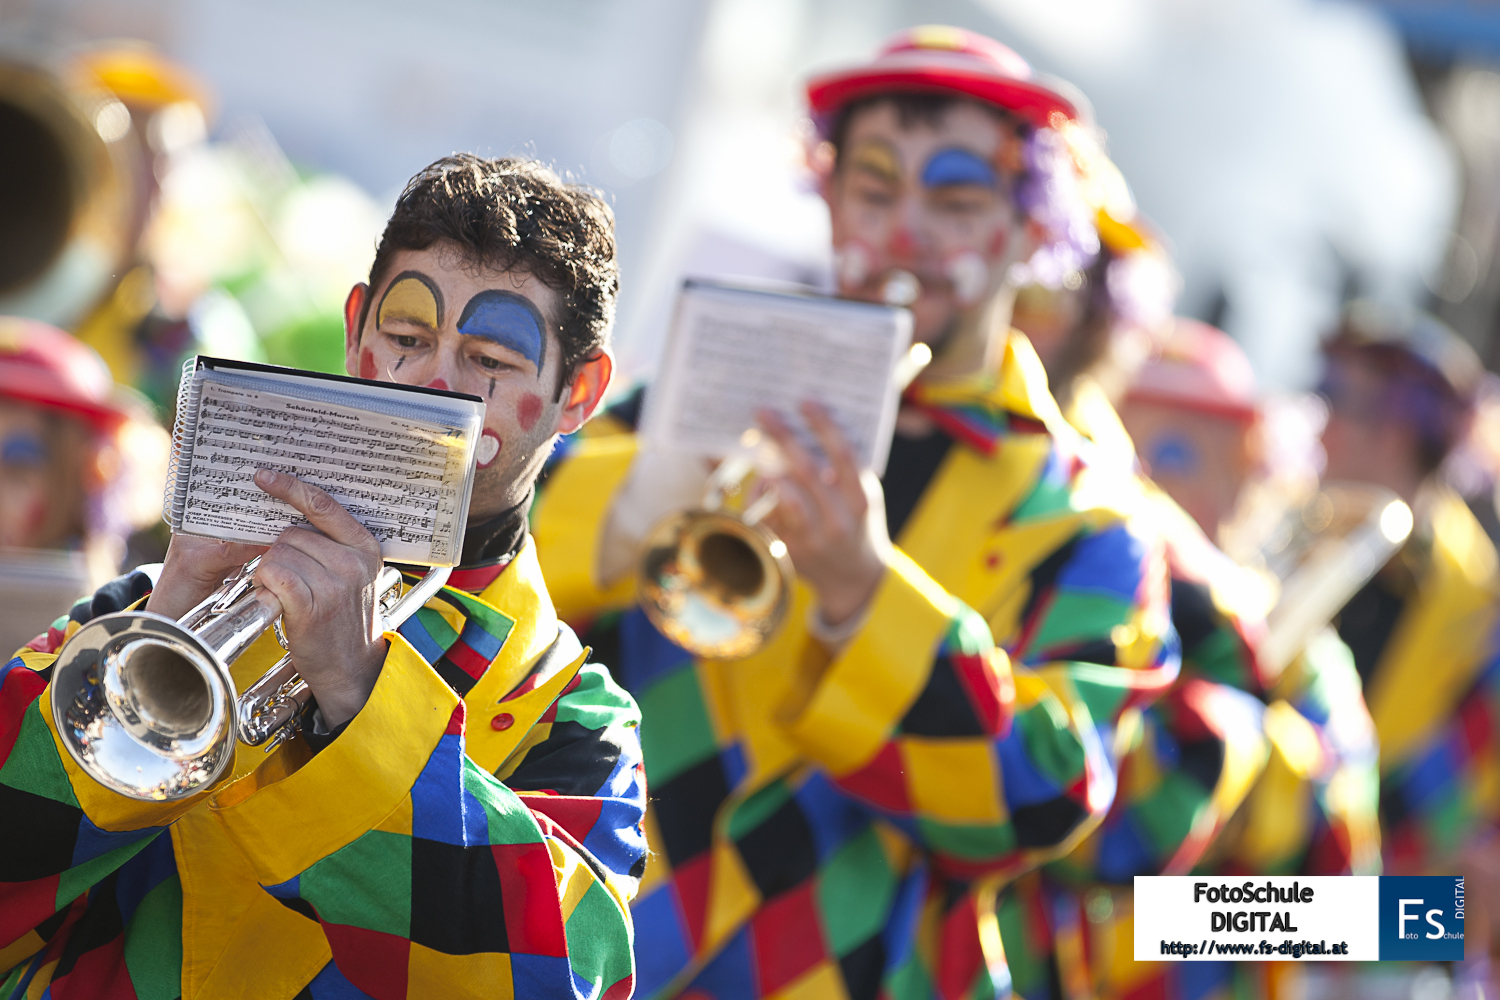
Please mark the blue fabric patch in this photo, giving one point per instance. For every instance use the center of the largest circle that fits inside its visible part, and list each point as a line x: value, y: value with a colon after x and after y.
x: 540, y: 975
x: 290, y: 889
x: 10, y: 665
x: 508, y: 319
x: 645, y: 654
x: 1200, y: 980
x: 616, y: 839
x: 438, y: 790
x: 480, y: 641
x: 957, y: 166
x: 661, y: 948
x: 732, y: 759
x: 1108, y: 562
x: 1123, y: 852
x: 414, y: 632
x: 142, y: 873
x: 93, y: 842
x: 905, y: 909
x: 1024, y: 785
x: 330, y: 984
x: 1432, y: 774
x: 731, y: 975
x: 833, y: 817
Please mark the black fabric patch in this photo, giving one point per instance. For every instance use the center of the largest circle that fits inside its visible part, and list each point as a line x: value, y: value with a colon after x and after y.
x: 1202, y: 760
x: 48, y: 927
x: 116, y: 595
x: 301, y: 906
x: 862, y: 969
x: 1100, y: 651
x: 458, y: 678
x: 572, y: 760
x: 1044, y: 824
x: 99, y: 925
x: 909, y: 471
x: 943, y: 708
x: 686, y: 807
x: 1193, y: 613
x: 37, y: 836
x: 1366, y: 624
x: 1043, y: 577
x: 628, y: 410
x: 457, y: 907
x: 780, y: 853
x: 602, y: 635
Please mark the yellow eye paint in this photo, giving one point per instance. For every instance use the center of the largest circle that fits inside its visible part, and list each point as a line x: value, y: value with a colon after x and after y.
x: 878, y: 158
x: 411, y: 296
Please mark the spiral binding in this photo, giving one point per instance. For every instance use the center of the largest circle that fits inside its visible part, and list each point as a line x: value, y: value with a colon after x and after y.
x: 174, y: 499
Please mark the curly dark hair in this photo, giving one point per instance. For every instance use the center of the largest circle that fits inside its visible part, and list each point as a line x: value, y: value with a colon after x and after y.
x: 509, y: 214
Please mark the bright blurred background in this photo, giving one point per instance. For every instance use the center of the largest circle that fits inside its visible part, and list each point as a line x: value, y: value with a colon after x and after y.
x: 1296, y: 153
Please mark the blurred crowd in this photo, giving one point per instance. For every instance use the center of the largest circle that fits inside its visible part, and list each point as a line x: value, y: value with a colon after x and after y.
x: 132, y: 241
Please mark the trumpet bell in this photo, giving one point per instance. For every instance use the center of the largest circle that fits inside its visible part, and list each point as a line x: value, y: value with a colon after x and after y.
x: 713, y: 584
x: 149, y: 705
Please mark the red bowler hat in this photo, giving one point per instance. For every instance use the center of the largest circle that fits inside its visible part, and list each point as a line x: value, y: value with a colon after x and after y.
x: 939, y: 59
x: 1202, y: 369
x: 42, y: 365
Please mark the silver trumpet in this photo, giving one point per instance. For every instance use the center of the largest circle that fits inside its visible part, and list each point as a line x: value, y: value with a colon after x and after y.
x: 147, y: 706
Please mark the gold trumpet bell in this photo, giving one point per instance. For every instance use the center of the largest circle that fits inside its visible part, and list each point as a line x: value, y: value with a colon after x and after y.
x: 714, y: 584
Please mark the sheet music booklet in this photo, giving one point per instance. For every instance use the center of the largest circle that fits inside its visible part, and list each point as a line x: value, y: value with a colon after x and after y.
x: 733, y: 349
x: 399, y: 458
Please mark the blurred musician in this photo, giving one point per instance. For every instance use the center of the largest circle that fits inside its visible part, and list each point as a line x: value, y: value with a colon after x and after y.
x: 1218, y: 775
x: 828, y: 812
x: 1400, y: 391
x: 460, y: 817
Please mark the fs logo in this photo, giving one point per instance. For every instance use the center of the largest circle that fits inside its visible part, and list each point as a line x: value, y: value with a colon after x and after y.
x: 1421, y: 918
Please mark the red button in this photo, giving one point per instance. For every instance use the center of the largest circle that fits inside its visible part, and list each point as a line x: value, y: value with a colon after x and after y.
x: 503, y: 721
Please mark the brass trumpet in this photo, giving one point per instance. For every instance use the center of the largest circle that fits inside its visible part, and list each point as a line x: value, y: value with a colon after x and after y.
x: 147, y: 706
x: 716, y: 582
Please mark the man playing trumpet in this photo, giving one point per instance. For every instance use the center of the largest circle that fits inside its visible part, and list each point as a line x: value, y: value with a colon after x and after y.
x: 462, y: 815
x: 830, y: 814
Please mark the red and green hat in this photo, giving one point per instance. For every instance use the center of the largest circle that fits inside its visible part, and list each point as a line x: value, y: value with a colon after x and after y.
x: 936, y: 58
x: 42, y: 365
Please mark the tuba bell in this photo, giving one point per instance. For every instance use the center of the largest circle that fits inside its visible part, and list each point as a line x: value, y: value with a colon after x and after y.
x: 147, y: 706
x: 715, y: 580
x: 68, y: 193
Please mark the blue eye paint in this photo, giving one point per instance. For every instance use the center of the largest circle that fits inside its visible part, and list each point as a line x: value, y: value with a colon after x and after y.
x: 1173, y: 454
x: 508, y: 319
x: 23, y: 449
x: 948, y: 167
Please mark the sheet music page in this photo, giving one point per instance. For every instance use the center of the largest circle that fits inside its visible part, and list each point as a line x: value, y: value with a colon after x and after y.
x: 732, y: 351
x: 404, y: 479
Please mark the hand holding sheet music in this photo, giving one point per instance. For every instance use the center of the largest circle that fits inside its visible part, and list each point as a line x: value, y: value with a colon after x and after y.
x: 734, y: 350
x: 397, y: 458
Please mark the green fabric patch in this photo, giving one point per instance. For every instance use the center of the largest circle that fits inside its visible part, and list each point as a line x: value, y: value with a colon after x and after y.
x: 153, y: 943
x: 1101, y: 689
x: 76, y: 881
x: 1051, y: 746
x: 1448, y: 820
x: 1220, y: 657
x: 437, y: 627
x: 510, y: 822
x: 599, y: 940
x: 968, y: 633
x: 1167, y: 814
x: 1075, y: 616
x: 854, y: 890
x: 973, y: 842
x: 33, y: 765
x: 364, y: 884
x: 910, y: 982
x: 1045, y: 499
x: 597, y: 702
x: 758, y: 808
x: 681, y: 734
x: 1025, y: 956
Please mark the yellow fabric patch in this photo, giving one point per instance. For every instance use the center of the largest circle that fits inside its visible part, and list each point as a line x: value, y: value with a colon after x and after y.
x: 952, y: 780
x: 569, y: 519
x: 40, y: 981
x: 24, y: 947
x: 409, y: 299
x: 823, y: 982
x: 399, y: 821
x: 573, y: 876
x: 431, y: 974
x: 658, y: 868
x: 732, y: 896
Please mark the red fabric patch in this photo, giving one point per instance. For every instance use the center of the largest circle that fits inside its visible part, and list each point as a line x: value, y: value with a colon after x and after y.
x: 991, y: 691
x: 1192, y: 709
x: 533, y: 913
x: 786, y: 938
x: 99, y: 974
x: 620, y: 990
x: 456, y: 721
x: 881, y: 782
x: 23, y: 905
x: 48, y: 642
x: 691, y: 880
x: 372, y: 961
x: 576, y: 814
x: 551, y: 714
x: 477, y: 579
x: 1478, y: 726
x: 18, y: 689
x: 1154, y: 988
x: 463, y: 656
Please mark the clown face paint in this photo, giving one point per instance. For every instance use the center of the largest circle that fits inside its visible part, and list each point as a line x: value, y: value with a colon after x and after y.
x: 508, y: 319
x: 488, y: 448
x: 414, y: 297
x: 952, y: 167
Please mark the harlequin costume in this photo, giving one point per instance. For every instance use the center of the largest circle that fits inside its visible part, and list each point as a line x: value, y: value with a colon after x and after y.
x: 473, y: 831
x: 832, y: 829
x: 1234, y: 770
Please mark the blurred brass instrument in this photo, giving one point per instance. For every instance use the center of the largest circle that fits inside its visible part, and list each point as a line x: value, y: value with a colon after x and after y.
x: 68, y: 193
x: 147, y: 706
x: 715, y: 581
x: 1319, y: 554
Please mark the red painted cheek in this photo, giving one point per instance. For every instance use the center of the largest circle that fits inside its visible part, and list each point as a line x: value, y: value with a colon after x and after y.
x: 366, y: 363
x: 528, y: 411
x: 437, y: 383
x: 998, y: 242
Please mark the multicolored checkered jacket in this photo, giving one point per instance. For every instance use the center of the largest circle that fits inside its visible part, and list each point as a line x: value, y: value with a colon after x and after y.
x: 1431, y: 652
x: 1232, y: 771
x: 473, y: 832
x: 832, y: 829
